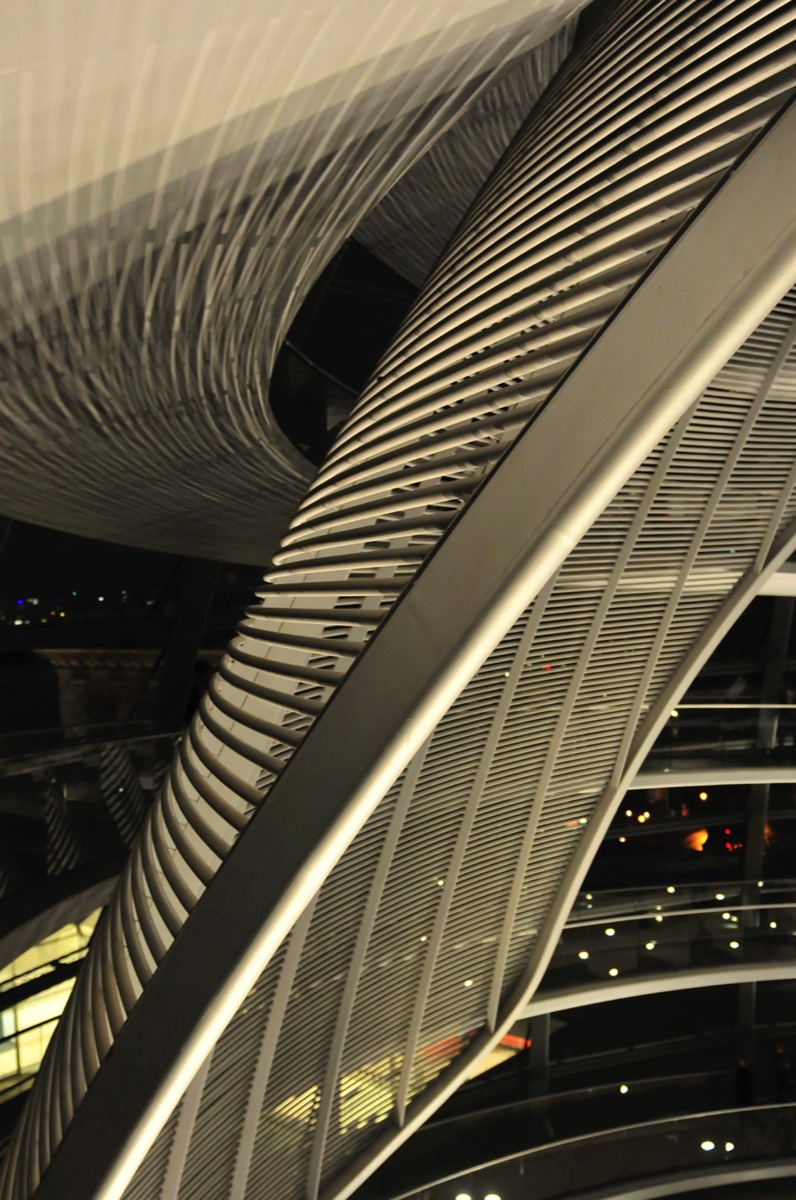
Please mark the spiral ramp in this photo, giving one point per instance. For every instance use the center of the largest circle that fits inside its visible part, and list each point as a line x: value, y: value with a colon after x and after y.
x: 594, y: 387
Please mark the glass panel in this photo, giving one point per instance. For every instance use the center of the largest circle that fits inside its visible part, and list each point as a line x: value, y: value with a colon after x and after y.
x: 27, y: 1026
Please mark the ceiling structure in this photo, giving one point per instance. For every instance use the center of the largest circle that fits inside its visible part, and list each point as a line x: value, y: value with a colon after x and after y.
x: 289, y: 937
x: 180, y: 177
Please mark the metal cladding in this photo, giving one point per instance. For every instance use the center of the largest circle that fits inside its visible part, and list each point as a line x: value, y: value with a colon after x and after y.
x: 411, y: 226
x: 385, y: 991
x: 174, y: 182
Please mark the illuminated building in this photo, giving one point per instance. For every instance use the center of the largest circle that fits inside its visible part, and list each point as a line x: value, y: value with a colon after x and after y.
x: 570, y: 473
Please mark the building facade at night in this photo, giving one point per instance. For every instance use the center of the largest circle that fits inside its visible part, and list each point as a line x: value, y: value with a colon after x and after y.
x: 483, y: 647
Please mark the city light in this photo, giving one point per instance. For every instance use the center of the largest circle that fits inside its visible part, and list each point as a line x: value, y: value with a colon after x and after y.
x: 696, y: 840
x: 463, y: 1196
x: 644, y: 606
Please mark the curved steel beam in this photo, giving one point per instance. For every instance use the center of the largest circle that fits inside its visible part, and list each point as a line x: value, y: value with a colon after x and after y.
x: 719, y: 279
x: 662, y: 1184
x: 674, y: 1185
x: 435, y: 1094
x: 710, y: 776
x: 557, y: 1000
x: 520, y: 1000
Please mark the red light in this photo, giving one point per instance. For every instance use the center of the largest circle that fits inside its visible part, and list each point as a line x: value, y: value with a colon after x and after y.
x: 515, y: 1043
x: 444, y: 1049
x: 728, y: 846
x: 727, y: 832
x: 547, y: 667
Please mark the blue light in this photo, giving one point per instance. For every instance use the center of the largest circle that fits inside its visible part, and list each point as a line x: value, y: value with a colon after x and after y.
x: 20, y: 601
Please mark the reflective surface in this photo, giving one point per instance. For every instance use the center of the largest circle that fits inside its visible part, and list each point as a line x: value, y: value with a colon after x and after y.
x: 688, y: 1145
x: 615, y: 937
x: 28, y: 1023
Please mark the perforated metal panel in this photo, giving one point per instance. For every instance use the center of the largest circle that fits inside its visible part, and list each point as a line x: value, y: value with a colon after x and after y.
x: 429, y: 920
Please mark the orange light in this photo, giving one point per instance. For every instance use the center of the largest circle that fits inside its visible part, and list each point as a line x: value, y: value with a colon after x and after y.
x: 514, y: 1042
x: 696, y: 840
x: 641, y: 818
x: 703, y: 795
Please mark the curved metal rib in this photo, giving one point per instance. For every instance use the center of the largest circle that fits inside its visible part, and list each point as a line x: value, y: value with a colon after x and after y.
x: 455, y: 636
x: 564, y: 498
x: 169, y: 201
x: 557, y: 1000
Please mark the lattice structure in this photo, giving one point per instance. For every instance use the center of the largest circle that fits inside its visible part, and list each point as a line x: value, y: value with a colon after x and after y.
x: 384, y: 982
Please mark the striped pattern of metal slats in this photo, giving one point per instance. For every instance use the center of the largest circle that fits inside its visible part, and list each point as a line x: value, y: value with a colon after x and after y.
x: 142, y: 312
x: 410, y: 228
x: 64, y: 848
x: 633, y: 133
x: 121, y: 790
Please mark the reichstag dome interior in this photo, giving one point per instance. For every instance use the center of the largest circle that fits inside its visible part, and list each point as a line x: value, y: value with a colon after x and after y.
x: 397, y: 580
